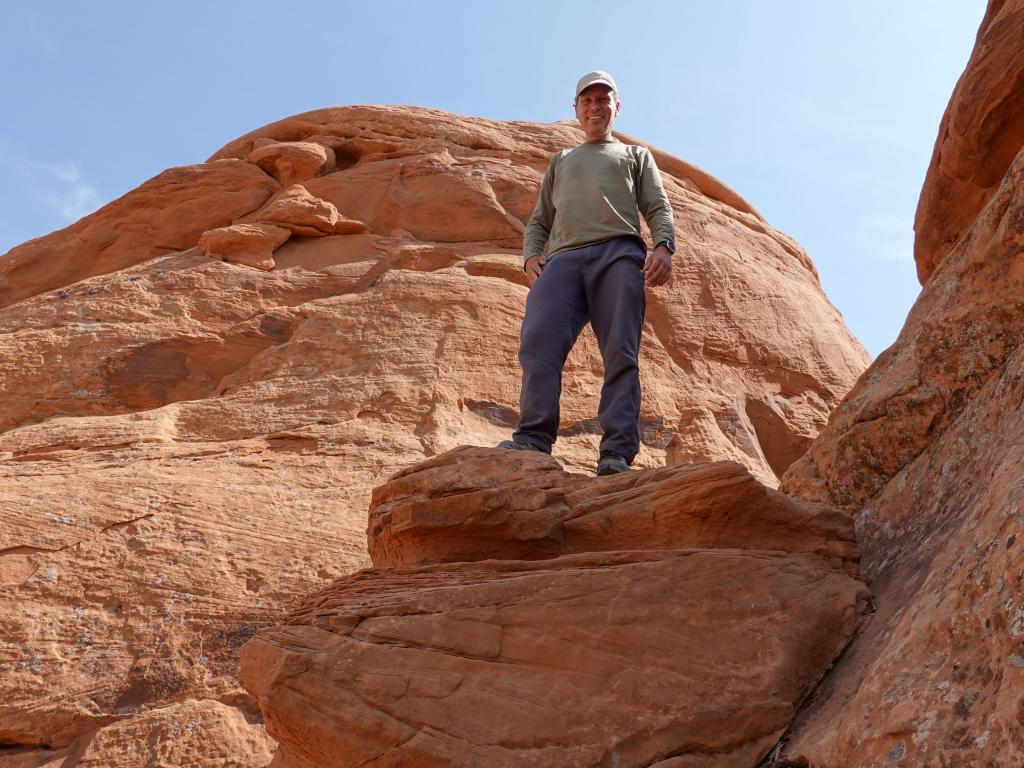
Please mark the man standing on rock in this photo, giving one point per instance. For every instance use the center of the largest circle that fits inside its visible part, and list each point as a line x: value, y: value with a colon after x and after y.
x: 585, y: 261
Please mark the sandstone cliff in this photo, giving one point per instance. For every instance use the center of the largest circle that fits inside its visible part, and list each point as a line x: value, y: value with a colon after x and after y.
x: 203, y: 380
x: 980, y: 135
x: 928, y: 448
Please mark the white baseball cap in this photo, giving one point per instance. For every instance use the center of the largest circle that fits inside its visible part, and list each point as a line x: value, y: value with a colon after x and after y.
x: 592, y: 78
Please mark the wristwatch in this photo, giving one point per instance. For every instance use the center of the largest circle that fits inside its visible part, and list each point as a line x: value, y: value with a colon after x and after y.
x: 668, y: 244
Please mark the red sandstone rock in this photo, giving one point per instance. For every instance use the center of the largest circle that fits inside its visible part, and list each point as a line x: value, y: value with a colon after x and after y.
x: 937, y: 677
x: 297, y: 210
x: 528, y: 508
x: 964, y: 326
x: 135, y: 574
x: 928, y: 447
x: 168, y: 213
x: 249, y: 244
x: 187, y: 444
x: 292, y: 161
x: 575, y: 659
x: 21, y: 757
x: 302, y: 213
x: 980, y: 135
x: 205, y: 733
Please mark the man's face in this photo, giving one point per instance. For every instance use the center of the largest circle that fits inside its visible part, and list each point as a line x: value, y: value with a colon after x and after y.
x: 596, y: 108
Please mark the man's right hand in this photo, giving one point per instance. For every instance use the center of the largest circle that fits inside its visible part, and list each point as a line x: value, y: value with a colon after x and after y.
x: 533, y: 268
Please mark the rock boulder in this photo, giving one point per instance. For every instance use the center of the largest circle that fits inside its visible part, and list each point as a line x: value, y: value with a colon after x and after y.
x: 658, y: 621
x: 292, y: 161
x: 249, y: 244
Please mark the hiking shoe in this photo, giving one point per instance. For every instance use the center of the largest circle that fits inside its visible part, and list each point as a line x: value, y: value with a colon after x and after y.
x: 611, y: 464
x: 513, y: 445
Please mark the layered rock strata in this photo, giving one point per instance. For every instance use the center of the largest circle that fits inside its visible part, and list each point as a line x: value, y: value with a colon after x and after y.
x: 203, y: 380
x: 532, y: 617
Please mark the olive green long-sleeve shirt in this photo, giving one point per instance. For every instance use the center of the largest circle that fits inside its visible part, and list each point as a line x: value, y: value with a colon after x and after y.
x: 591, y: 193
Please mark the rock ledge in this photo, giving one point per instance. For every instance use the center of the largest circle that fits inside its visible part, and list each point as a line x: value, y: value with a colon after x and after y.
x: 526, y: 616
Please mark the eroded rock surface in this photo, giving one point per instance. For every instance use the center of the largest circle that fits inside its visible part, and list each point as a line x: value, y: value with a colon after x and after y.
x: 928, y: 449
x: 249, y: 244
x: 164, y: 215
x: 187, y: 444
x: 980, y: 135
x: 473, y: 506
x: 681, y: 630
x: 292, y: 161
x: 965, y: 325
x: 937, y: 677
x: 194, y: 733
x: 297, y: 210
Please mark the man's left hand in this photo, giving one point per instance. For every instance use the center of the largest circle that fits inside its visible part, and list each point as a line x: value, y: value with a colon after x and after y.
x: 658, y: 267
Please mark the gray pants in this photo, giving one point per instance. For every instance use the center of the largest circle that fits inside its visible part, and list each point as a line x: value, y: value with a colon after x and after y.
x: 602, y: 283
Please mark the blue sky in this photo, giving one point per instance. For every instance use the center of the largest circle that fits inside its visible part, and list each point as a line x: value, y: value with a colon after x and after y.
x: 822, y: 114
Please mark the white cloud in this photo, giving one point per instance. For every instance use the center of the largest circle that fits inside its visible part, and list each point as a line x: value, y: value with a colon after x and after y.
x: 67, y: 193
x: 66, y: 172
x: 891, y: 237
x: 58, y: 187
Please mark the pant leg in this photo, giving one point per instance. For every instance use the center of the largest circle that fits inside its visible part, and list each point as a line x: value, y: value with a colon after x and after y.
x: 556, y: 311
x: 614, y: 285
